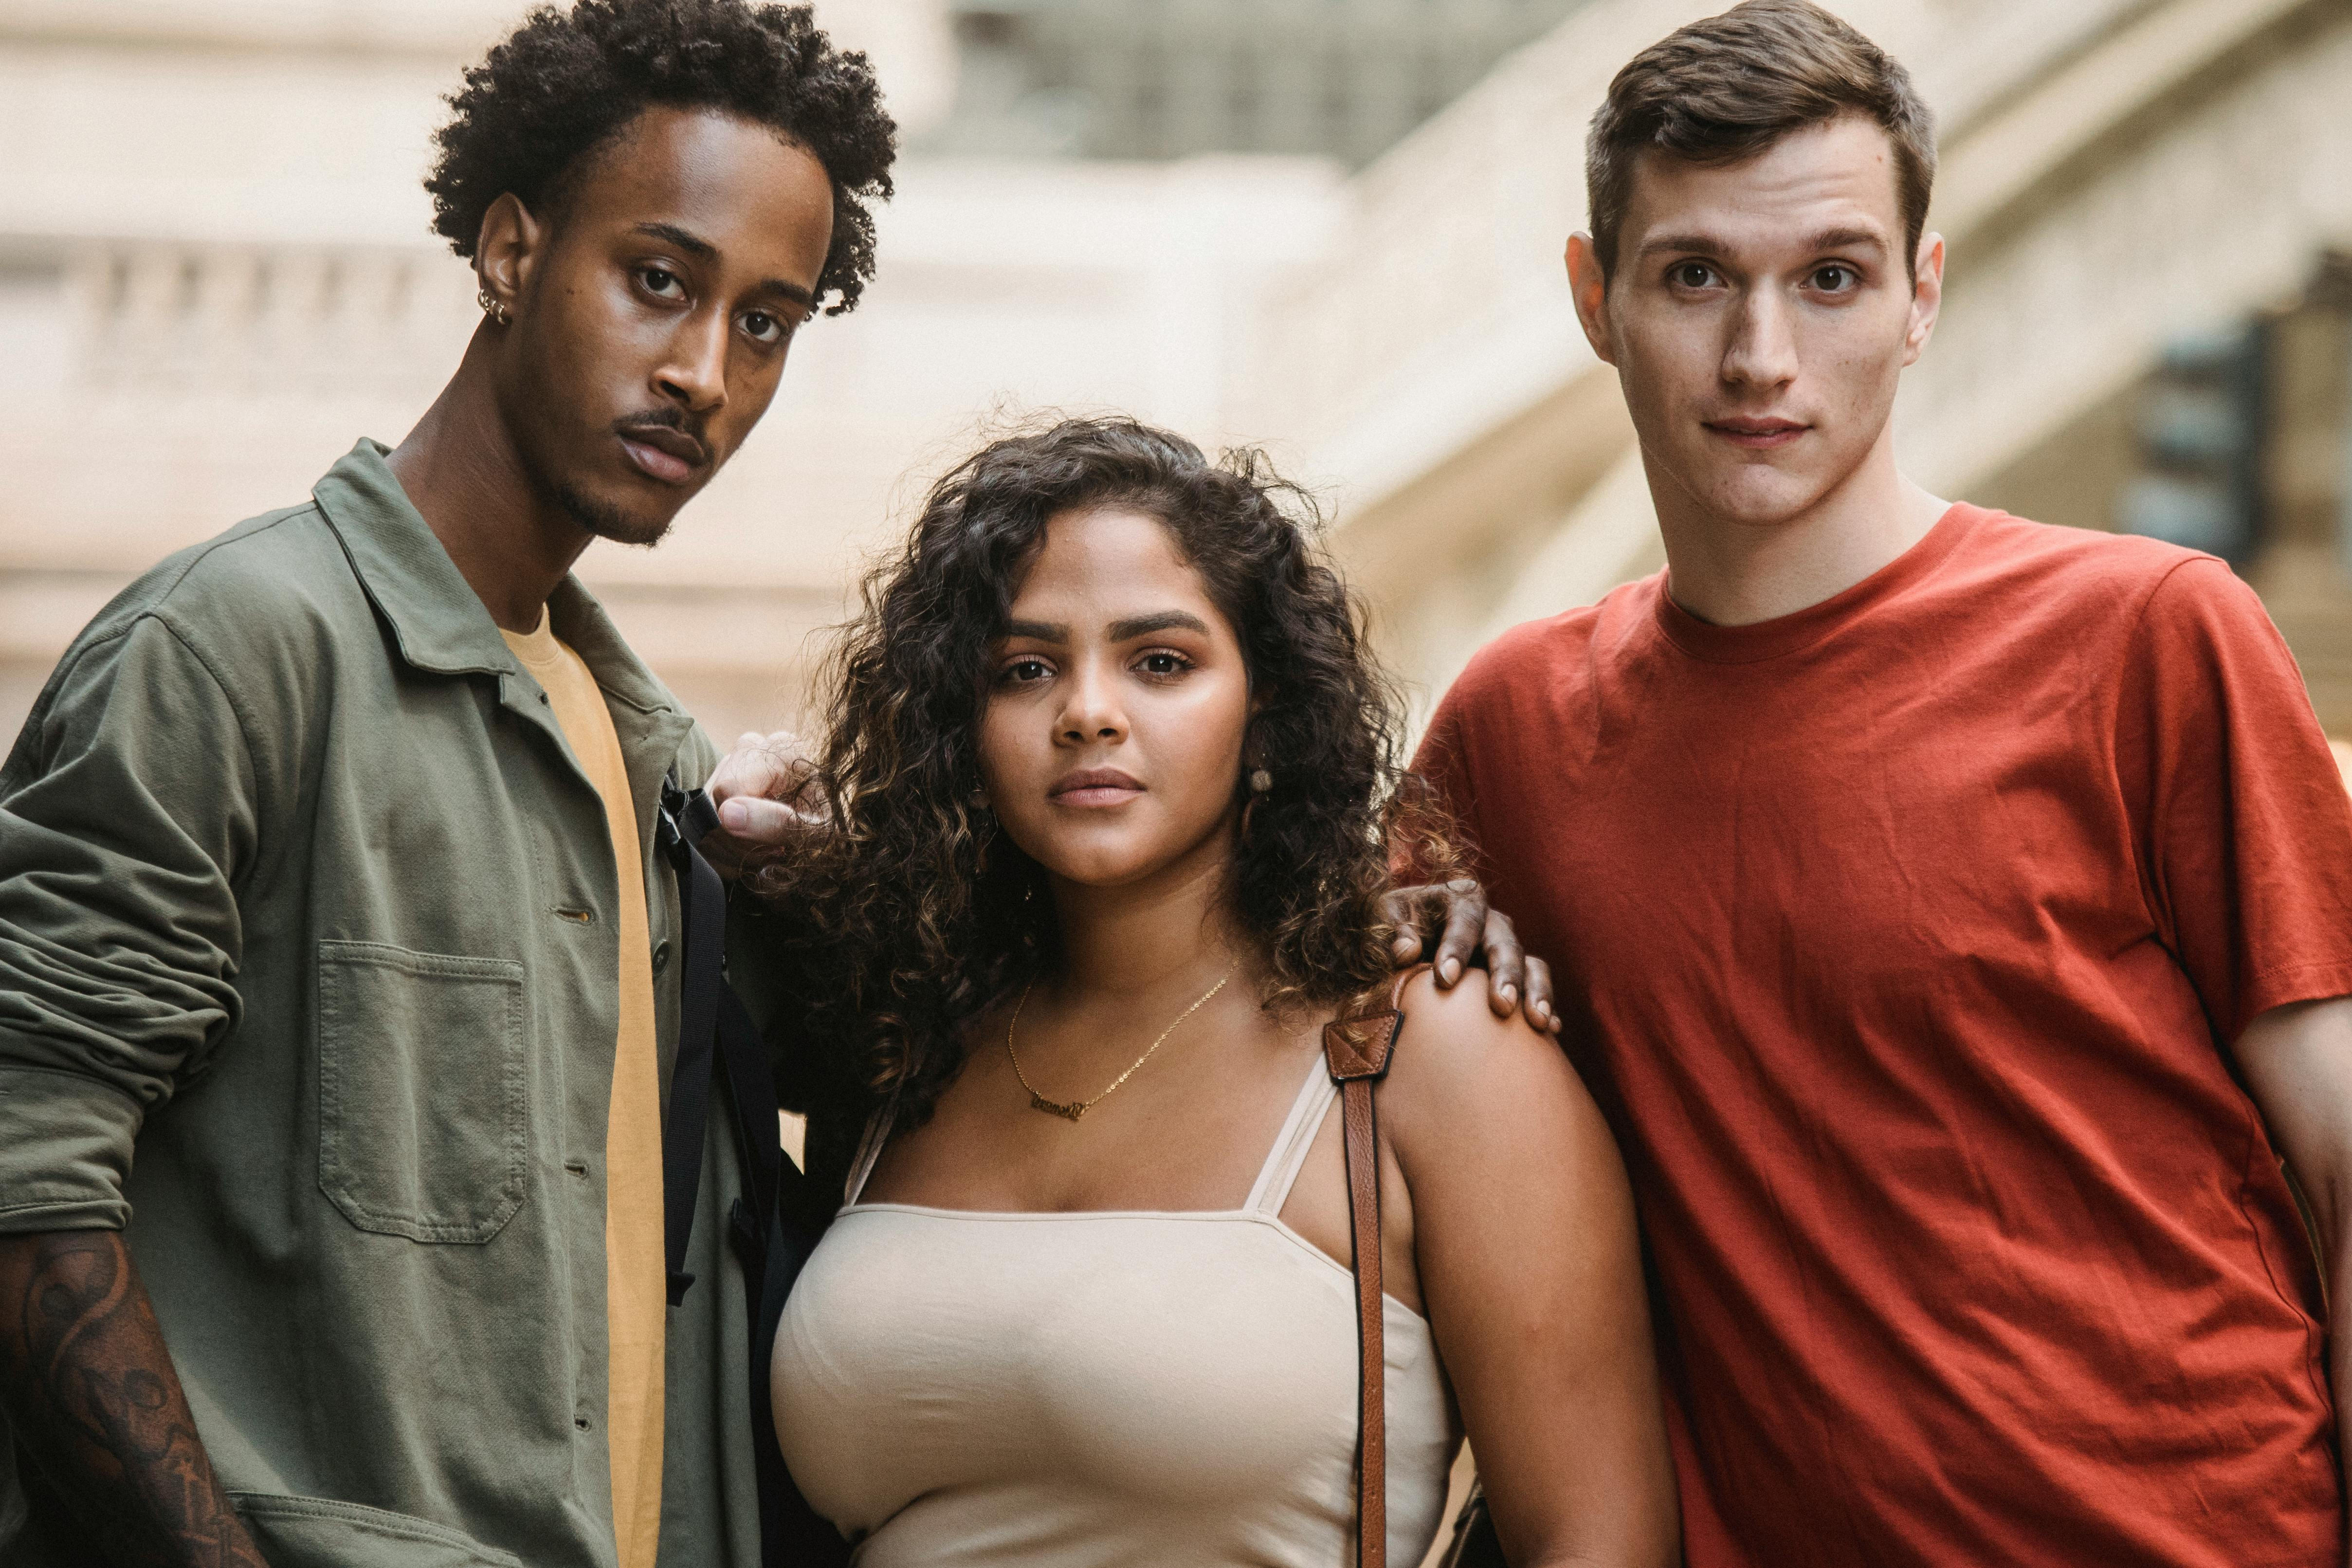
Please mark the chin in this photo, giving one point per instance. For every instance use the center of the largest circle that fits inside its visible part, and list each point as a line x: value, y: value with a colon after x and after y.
x: 1115, y: 855
x: 611, y: 520
x: 1761, y: 498
x: 1093, y: 873
x: 1105, y: 866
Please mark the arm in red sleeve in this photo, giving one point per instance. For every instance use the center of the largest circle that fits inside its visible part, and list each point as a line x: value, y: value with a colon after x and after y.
x: 2242, y: 825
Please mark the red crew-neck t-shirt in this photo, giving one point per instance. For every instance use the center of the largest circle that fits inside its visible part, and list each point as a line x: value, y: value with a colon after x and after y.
x: 1904, y: 940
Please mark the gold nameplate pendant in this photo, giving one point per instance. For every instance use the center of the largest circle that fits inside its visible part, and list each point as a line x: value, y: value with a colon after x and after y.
x: 1070, y: 1111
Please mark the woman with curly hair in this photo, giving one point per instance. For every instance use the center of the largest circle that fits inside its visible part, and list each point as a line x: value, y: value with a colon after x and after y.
x: 1117, y: 788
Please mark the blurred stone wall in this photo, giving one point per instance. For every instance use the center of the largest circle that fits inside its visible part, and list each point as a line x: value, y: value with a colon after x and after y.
x: 215, y: 275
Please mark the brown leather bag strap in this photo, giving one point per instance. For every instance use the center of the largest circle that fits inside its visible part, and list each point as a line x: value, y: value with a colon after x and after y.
x: 1356, y: 1051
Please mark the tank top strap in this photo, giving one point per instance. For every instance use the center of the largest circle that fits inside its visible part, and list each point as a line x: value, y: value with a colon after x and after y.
x: 869, y: 1149
x: 1298, y: 1136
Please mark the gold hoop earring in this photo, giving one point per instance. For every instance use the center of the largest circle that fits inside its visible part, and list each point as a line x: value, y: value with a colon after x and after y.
x: 494, y: 309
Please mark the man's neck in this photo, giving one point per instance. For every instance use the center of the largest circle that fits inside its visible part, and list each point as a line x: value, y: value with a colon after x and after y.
x: 1735, y: 573
x: 463, y: 473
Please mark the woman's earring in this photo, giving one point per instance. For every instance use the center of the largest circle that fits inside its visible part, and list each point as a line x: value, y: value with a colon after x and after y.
x: 492, y: 308
x: 978, y: 799
x: 1260, y: 781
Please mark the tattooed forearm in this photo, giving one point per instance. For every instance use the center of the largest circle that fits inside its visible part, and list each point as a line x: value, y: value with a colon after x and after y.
x: 92, y: 1393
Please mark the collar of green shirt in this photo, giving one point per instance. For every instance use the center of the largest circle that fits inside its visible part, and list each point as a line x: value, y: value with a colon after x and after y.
x: 437, y: 620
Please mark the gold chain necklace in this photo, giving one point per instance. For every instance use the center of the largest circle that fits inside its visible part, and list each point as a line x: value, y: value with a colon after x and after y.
x: 1070, y: 1111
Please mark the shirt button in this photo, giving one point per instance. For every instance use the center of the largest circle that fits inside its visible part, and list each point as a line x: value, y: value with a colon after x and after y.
x: 661, y: 955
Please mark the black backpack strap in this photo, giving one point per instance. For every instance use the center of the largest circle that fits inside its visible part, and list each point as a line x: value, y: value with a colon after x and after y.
x: 680, y: 823
x: 717, y: 1030
x: 752, y: 1093
x: 791, y: 1534
x: 714, y: 1026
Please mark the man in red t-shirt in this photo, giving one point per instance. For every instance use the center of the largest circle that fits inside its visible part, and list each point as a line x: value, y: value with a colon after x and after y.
x: 1953, y: 913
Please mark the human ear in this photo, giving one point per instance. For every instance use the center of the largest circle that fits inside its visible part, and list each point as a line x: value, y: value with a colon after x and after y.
x: 1927, y: 295
x: 506, y: 250
x: 1590, y: 287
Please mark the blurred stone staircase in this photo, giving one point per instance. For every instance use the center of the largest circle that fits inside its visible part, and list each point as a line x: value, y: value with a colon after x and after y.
x: 2115, y: 173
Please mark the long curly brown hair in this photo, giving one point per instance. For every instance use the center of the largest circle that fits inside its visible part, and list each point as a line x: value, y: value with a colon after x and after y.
x: 918, y: 913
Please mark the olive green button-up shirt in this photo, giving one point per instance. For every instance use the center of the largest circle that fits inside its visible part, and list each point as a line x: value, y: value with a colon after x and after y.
x: 308, y: 981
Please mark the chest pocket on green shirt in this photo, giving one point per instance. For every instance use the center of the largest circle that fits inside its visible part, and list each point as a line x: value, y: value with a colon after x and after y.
x: 423, y: 1102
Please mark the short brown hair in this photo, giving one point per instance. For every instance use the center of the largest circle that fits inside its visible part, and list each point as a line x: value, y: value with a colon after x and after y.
x: 1725, y: 88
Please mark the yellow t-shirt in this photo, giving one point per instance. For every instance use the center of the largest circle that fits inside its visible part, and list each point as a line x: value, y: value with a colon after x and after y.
x: 635, y: 1270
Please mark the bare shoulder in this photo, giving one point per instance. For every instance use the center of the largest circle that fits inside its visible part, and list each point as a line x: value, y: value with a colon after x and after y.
x: 1453, y: 1037
x: 1461, y: 1077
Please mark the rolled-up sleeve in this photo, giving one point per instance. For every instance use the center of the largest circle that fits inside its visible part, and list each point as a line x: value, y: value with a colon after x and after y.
x: 127, y: 818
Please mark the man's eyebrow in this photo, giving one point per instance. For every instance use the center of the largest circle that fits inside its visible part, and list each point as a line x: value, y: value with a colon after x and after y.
x: 1165, y: 621
x: 804, y: 297
x: 1713, y: 245
x: 1704, y: 244
x: 701, y: 250
x: 694, y: 245
x: 1847, y: 240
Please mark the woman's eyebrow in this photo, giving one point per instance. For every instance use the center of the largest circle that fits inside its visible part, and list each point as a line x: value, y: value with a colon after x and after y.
x: 1165, y: 621
x: 1038, y: 631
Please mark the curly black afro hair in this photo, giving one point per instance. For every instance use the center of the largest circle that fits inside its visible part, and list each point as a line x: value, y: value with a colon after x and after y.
x: 566, y: 83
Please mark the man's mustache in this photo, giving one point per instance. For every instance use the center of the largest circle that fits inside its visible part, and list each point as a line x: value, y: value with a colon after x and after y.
x: 673, y: 420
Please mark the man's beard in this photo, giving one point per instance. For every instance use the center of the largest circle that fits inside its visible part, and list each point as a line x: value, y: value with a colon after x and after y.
x: 607, y: 522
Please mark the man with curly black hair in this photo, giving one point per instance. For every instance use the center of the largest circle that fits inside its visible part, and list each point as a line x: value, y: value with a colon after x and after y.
x: 330, y: 890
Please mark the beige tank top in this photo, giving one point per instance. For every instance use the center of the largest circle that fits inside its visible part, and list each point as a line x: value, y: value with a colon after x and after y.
x: 956, y: 1386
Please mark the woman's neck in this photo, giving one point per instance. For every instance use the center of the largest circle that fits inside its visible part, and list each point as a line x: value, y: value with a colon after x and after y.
x: 1132, y: 942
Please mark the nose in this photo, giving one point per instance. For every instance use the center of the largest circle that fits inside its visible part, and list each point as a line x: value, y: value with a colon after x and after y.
x: 1762, y: 352
x: 693, y: 371
x: 1090, y: 710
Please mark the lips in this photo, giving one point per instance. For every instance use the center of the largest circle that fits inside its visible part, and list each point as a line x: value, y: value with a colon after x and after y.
x: 1094, y: 787
x: 664, y: 453
x: 1757, y: 434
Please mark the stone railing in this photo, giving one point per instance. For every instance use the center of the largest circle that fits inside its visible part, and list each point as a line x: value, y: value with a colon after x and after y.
x: 305, y: 320
x: 432, y: 26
